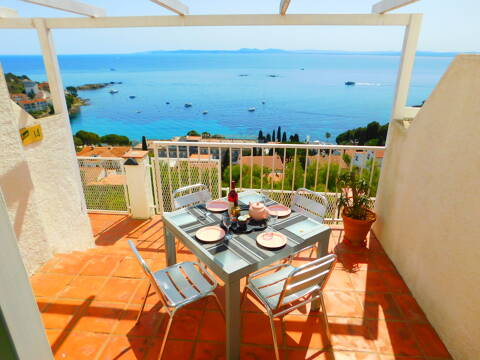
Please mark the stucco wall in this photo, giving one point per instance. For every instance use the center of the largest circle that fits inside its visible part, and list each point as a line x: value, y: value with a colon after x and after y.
x: 428, y: 206
x: 41, y: 185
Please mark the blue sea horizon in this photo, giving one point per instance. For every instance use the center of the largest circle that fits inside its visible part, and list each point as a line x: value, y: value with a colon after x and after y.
x: 301, y: 91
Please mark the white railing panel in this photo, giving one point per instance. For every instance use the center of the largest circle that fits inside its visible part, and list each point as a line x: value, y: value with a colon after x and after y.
x: 215, y: 164
x: 104, y: 184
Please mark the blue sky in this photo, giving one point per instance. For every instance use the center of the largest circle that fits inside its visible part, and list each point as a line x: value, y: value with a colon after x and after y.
x: 448, y: 26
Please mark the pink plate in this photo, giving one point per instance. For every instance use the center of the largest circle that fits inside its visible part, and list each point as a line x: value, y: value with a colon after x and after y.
x: 210, y: 234
x: 279, y: 210
x: 271, y: 240
x: 217, y: 205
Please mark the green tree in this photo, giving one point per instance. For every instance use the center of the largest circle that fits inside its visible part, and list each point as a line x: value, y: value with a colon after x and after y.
x: 328, y: 135
x: 284, y: 137
x: 260, y: 136
x: 88, y: 138
x: 193, y: 133
x: 114, y: 139
x: 279, y: 134
x: 72, y: 90
x: 77, y: 141
x: 31, y: 94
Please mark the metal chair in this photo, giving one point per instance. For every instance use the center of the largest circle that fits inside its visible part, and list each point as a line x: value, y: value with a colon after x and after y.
x: 311, y: 204
x: 191, y: 195
x: 177, y: 285
x: 289, y: 288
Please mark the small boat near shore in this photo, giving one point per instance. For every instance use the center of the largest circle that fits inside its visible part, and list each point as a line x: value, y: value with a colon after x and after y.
x: 349, y: 83
x: 252, y: 109
x: 113, y: 91
x: 132, y: 96
x: 188, y: 105
x: 205, y: 112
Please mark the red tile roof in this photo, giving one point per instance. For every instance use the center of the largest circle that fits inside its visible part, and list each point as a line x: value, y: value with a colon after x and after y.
x: 32, y: 101
x: 103, y: 151
x: 268, y: 161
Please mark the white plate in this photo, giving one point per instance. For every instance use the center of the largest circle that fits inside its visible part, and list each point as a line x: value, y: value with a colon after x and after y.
x: 210, y: 234
x: 217, y: 205
x: 271, y: 240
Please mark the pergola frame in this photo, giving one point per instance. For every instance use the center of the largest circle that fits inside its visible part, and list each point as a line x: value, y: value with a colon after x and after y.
x: 44, y: 27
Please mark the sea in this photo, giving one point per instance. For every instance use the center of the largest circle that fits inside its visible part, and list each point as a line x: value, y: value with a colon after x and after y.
x: 303, y: 92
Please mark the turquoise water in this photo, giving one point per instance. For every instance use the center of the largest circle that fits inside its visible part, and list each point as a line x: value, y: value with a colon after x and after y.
x: 309, y: 102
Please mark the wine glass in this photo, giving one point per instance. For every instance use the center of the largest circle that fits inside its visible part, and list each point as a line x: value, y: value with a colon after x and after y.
x: 227, y: 222
x: 271, y: 220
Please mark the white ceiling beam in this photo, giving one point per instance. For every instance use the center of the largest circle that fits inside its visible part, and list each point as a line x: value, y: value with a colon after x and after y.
x: 284, y: 6
x: 173, y: 5
x: 214, y: 20
x: 385, y: 6
x: 7, y: 13
x: 72, y: 6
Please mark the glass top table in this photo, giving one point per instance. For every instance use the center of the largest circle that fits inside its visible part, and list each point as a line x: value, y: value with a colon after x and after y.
x: 233, y: 259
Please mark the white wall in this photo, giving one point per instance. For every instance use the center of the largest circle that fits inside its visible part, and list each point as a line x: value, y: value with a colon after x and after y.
x: 428, y: 206
x: 17, y: 302
x: 41, y: 185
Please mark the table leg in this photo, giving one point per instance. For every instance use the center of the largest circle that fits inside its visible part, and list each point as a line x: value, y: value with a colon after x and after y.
x: 232, y: 313
x: 170, y: 252
x: 322, y: 250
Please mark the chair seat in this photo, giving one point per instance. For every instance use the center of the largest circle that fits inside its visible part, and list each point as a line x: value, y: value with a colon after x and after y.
x: 182, y: 283
x: 269, y: 287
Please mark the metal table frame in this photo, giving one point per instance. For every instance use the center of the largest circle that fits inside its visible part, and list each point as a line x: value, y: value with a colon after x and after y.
x: 232, y: 279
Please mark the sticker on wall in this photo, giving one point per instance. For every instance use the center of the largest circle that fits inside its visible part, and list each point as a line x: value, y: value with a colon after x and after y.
x: 31, y: 134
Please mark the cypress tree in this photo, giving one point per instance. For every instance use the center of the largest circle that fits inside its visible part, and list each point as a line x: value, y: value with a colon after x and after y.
x: 269, y: 138
x: 284, y: 137
x: 273, y: 135
x: 144, y: 144
x: 260, y: 135
x: 279, y: 134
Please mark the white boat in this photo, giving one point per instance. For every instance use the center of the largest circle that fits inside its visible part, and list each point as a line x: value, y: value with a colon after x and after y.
x: 252, y: 109
x: 113, y: 91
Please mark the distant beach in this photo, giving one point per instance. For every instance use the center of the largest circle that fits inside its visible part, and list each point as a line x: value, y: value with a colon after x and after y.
x: 302, y: 91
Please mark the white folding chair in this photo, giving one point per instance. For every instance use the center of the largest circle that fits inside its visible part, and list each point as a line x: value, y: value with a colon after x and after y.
x: 287, y: 288
x: 311, y: 204
x: 177, y: 285
x: 191, y: 195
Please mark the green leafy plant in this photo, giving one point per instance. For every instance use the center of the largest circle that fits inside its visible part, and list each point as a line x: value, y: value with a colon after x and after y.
x: 354, y: 196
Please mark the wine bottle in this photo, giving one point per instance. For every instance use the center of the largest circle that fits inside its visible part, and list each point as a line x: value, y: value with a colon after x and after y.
x: 232, y: 201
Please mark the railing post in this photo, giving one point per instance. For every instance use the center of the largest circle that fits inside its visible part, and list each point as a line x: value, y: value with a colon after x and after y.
x: 139, y: 184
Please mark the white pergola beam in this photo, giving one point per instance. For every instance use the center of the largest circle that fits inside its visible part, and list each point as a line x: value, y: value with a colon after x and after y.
x: 385, y: 6
x: 8, y: 13
x: 72, y: 6
x: 173, y: 5
x: 215, y: 20
x: 284, y: 6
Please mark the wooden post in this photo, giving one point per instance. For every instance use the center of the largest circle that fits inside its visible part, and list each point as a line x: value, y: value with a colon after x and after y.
x: 51, y: 66
x: 409, y: 49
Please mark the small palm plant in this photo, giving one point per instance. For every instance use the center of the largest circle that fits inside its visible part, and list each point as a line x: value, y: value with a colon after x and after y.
x: 354, y: 196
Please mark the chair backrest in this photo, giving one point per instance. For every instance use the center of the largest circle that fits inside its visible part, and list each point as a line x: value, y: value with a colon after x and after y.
x: 191, y: 195
x: 307, y: 278
x: 310, y: 203
x: 148, y: 272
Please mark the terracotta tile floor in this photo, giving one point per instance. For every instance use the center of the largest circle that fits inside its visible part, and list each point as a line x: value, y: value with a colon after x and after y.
x: 89, y: 302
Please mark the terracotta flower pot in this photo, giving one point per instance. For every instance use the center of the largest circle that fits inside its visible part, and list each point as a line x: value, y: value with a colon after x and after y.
x: 356, y: 231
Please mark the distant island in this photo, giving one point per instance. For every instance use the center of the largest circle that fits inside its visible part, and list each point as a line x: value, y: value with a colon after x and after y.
x: 96, y: 86
x: 305, y: 51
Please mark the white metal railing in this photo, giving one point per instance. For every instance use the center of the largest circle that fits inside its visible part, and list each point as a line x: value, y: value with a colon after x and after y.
x: 104, y: 184
x: 278, y: 169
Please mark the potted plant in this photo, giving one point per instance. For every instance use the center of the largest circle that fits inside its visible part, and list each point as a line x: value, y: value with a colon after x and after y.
x: 356, y: 205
